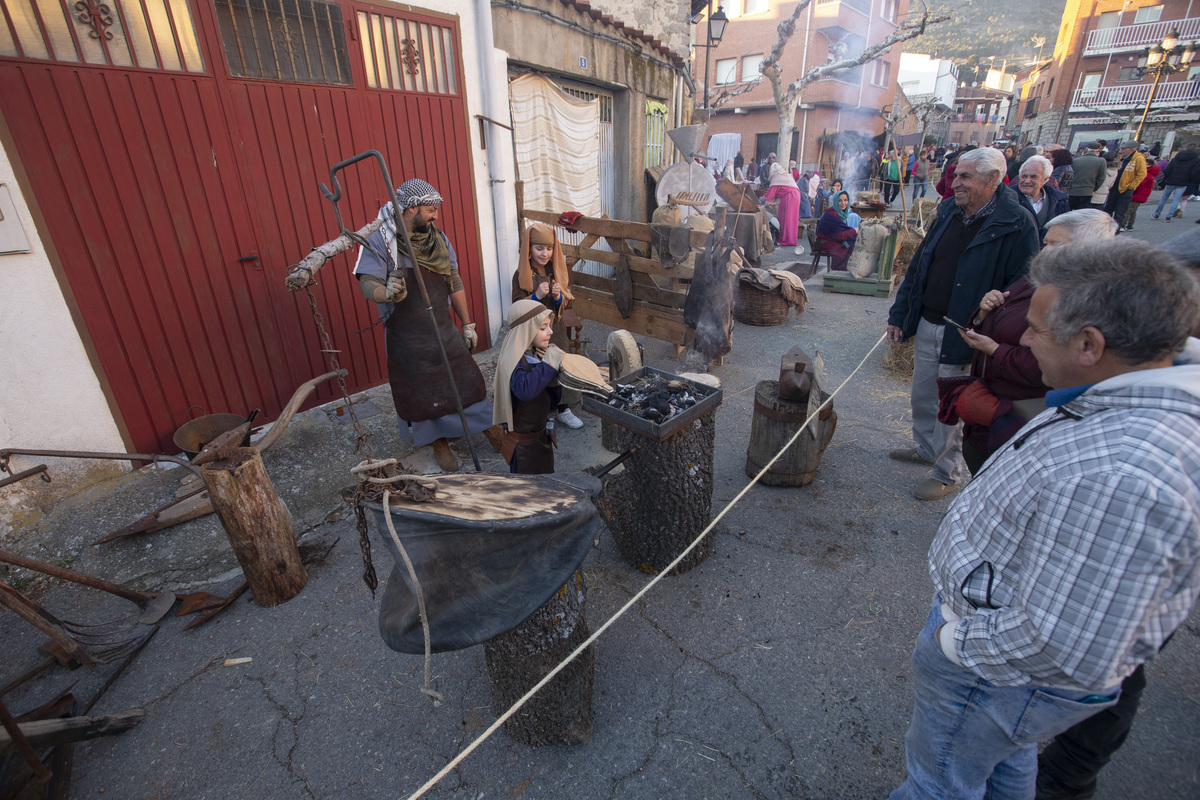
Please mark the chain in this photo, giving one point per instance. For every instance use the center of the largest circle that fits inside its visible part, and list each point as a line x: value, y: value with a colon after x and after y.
x: 362, y: 443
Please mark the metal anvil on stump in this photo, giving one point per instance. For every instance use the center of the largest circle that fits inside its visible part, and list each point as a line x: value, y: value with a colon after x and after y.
x: 662, y: 500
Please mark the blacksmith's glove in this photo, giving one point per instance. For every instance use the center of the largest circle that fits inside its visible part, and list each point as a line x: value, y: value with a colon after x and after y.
x: 554, y: 356
x: 397, y: 289
x: 470, y: 336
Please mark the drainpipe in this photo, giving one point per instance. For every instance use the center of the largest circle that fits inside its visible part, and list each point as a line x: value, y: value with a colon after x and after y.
x: 495, y: 106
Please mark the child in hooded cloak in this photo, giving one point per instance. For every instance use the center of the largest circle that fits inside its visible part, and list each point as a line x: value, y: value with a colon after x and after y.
x: 526, y: 390
x: 542, y: 275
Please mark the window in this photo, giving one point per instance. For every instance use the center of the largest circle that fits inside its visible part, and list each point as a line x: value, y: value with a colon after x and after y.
x: 755, y: 7
x: 1109, y: 19
x: 656, y: 133
x: 881, y: 72
x: 301, y: 41
x: 406, y: 55
x: 1148, y: 14
x: 119, y: 33
x: 732, y: 9
x: 1091, y: 81
x: 1128, y: 74
x: 726, y: 71
x: 887, y: 10
x: 1050, y: 88
x: 751, y: 68
x: 1194, y: 74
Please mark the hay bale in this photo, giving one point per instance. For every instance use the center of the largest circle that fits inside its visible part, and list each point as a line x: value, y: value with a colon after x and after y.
x: 904, y: 253
x: 898, y: 359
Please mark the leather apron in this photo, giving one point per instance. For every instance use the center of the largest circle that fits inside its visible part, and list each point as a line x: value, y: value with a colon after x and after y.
x: 536, y: 457
x: 420, y: 388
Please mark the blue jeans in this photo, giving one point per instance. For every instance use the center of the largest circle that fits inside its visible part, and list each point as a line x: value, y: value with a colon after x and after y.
x: 918, y: 184
x: 1177, y: 191
x: 970, y: 739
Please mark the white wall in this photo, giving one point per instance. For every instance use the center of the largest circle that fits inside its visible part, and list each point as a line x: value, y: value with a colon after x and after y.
x: 52, y: 398
x: 921, y: 74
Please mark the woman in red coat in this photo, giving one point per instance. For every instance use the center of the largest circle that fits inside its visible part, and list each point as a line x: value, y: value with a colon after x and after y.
x: 1141, y: 194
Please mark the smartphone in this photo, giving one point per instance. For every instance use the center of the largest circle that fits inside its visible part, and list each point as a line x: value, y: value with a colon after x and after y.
x: 955, y: 324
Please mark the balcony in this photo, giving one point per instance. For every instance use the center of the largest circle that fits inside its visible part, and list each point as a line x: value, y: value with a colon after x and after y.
x: 1128, y: 38
x: 1134, y: 95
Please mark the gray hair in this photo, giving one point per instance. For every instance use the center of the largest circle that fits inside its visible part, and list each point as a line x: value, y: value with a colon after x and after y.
x: 1047, y: 167
x: 987, y: 161
x: 1086, y: 224
x: 1141, y: 298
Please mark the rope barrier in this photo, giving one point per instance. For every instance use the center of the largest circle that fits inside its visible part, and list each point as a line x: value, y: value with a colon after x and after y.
x: 641, y: 593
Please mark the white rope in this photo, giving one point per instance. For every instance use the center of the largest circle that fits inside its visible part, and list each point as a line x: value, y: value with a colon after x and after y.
x: 387, y: 516
x: 665, y: 571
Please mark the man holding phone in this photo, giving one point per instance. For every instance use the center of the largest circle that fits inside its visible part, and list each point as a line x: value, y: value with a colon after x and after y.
x: 983, y: 240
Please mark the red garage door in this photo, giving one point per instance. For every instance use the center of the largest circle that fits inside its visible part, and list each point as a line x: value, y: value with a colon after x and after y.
x: 174, y: 151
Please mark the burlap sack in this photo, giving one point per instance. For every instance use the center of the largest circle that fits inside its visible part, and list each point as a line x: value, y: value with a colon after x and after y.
x: 865, y: 258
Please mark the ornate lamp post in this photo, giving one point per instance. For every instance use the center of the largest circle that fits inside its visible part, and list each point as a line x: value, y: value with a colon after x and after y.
x: 1163, y: 59
x: 716, y: 30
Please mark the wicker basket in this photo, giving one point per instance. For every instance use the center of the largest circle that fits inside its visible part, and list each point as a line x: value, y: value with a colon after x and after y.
x: 756, y: 307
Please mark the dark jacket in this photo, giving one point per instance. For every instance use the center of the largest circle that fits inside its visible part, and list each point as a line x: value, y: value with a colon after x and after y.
x: 1090, y: 172
x: 998, y: 255
x: 1059, y: 204
x: 1183, y: 169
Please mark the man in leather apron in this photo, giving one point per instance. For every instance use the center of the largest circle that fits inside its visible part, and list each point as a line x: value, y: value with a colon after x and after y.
x: 420, y: 386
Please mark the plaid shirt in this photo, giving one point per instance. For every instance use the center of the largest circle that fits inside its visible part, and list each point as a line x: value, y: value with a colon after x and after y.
x: 1075, y: 551
x: 982, y: 213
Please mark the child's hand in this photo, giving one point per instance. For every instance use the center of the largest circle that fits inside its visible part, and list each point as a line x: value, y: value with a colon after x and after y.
x: 556, y: 290
x: 542, y: 290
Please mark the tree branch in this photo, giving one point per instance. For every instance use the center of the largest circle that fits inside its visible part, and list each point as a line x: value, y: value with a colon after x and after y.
x: 909, y: 29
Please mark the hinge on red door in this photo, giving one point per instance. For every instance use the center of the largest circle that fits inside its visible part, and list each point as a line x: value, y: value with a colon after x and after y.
x: 352, y: 29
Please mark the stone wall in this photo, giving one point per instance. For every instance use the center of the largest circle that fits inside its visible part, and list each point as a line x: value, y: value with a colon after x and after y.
x: 666, y: 20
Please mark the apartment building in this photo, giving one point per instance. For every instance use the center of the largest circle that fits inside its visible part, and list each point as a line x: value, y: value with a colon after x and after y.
x: 1091, y: 88
x: 828, y: 30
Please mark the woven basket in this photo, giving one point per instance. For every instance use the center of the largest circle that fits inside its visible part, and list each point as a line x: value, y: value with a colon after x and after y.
x: 756, y: 307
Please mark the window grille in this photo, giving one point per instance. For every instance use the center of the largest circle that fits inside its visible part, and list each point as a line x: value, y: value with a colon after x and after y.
x: 656, y: 138
x: 407, y: 55
x: 150, y: 34
x: 284, y: 40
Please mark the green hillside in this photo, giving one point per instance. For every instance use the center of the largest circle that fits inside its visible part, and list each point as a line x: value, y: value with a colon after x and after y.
x: 1001, y: 28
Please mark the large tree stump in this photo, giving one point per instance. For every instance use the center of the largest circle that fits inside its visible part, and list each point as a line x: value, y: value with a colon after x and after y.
x: 663, y: 498
x: 258, y: 524
x: 775, y: 422
x: 561, y: 712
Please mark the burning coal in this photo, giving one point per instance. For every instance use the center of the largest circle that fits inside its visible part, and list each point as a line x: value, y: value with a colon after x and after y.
x: 653, y: 398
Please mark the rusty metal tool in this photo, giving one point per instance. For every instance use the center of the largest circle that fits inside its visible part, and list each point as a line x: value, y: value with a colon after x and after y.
x: 154, y: 605
x: 215, y: 610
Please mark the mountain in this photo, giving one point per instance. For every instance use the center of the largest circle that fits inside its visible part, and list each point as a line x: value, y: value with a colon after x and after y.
x: 1001, y: 28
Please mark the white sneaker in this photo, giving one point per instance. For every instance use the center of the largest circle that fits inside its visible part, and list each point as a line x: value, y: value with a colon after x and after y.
x: 566, y: 417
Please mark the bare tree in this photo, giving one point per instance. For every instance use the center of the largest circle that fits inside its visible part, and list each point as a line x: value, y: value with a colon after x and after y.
x: 788, y: 97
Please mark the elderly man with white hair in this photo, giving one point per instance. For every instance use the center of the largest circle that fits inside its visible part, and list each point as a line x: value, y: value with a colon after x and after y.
x: 1043, y: 201
x: 980, y: 241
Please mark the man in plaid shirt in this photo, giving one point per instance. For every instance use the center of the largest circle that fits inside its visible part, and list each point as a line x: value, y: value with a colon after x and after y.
x: 1075, y: 551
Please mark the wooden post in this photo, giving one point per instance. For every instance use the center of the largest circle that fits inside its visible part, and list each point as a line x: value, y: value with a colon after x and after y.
x: 561, y: 712
x: 258, y: 524
x: 775, y: 422
x: 662, y: 500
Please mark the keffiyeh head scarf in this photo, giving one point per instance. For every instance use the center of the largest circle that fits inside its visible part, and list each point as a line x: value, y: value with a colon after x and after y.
x: 416, y: 192
x: 524, y: 319
x: 430, y: 245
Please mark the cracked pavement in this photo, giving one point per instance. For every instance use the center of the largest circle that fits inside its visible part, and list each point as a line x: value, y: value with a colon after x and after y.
x: 778, y: 668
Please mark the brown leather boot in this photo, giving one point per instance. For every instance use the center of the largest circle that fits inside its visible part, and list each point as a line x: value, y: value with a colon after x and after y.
x: 445, y: 456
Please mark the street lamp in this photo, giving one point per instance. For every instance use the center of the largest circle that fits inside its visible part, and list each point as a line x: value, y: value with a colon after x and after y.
x: 1163, y: 59
x: 716, y: 30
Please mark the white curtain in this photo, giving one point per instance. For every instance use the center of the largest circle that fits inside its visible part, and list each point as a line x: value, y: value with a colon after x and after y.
x: 557, y: 139
x: 722, y: 147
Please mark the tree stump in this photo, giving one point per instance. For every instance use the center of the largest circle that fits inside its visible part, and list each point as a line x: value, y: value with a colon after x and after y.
x: 663, y: 498
x: 258, y: 524
x: 775, y: 422
x: 561, y: 712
